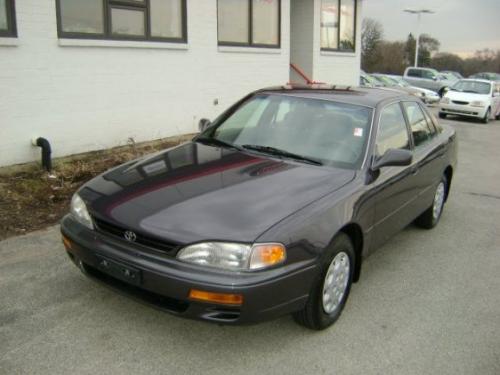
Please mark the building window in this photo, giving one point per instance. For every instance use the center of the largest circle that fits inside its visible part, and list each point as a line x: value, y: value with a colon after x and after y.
x: 338, y: 25
x: 155, y: 20
x: 7, y: 19
x: 251, y: 23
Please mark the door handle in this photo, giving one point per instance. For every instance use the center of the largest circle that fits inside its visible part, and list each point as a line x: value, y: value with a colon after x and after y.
x: 414, y: 170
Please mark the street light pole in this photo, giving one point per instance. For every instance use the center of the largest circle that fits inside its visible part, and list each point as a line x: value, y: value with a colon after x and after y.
x: 419, y: 14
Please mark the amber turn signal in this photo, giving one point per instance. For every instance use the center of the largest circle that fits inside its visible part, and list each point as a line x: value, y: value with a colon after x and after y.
x: 266, y: 255
x: 222, y: 298
x: 66, y: 242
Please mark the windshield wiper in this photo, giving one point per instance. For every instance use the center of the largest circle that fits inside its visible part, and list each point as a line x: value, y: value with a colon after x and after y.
x: 217, y: 142
x: 471, y: 91
x: 276, y: 151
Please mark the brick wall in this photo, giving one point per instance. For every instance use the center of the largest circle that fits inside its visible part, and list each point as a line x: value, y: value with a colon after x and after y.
x: 91, y: 95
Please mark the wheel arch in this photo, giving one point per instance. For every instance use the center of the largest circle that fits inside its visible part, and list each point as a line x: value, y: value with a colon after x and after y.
x: 448, y: 172
x: 355, y: 234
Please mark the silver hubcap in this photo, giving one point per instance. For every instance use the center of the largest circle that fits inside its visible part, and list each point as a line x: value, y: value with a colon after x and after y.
x: 438, y: 201
x: 336, y: 280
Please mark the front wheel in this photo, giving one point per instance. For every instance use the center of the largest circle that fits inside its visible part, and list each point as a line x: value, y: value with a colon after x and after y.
x: 487, y: 116
x: 430, y: 218
x: 330, y: 290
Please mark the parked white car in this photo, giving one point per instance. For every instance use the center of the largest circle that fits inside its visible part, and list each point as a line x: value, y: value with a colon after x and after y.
x: 472, y: 98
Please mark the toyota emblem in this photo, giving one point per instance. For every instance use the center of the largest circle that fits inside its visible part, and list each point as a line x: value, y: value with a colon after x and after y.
x: 130, y: 236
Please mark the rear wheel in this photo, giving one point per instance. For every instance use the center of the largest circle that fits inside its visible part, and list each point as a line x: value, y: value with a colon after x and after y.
x: 331, y: 288
x: 442, y: 115
x: 487, y: 116
x: 431, y: 216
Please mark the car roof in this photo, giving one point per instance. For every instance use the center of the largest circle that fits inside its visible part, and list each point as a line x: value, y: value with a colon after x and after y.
x: 420, y: 68
x: 364, y: 96
x: 476, y: 80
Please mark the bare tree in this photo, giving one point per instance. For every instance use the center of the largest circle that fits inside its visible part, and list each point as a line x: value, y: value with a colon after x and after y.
x: 371, y: 37
x: 392, y: 58
x: 448, y: 61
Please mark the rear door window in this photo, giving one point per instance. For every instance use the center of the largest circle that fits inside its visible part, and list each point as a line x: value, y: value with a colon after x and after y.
x: 420, y: 129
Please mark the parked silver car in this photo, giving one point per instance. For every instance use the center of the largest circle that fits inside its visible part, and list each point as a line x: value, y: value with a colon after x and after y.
x: 366, y: 80
x: 427, y: 96
x: 427, y: 78
x: 456, y: 74
x: 487, y: 76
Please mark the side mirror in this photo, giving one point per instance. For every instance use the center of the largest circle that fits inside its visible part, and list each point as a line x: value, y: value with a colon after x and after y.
x: 203, y: 124
x: 393, y: 158
x: 435, y: 78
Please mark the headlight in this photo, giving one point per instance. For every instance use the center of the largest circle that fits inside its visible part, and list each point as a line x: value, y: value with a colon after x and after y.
x: 445, y: 100
x: 233, y: 256
x: 80, y: 212
x: 477, y: 103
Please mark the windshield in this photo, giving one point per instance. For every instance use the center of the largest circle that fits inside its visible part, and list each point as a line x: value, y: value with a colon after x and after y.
x: 475, y: 87
x: 386, y: 80
x: 495, y: 77
x: 329, y: 132
x: 371, y: 80
x: 449, y: 76
x: 401, y: 82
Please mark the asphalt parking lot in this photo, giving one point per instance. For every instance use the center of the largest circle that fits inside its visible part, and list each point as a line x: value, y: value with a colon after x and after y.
x: 428, y: 303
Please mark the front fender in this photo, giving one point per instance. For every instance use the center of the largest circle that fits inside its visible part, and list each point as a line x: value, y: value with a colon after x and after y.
x: 307, y: 232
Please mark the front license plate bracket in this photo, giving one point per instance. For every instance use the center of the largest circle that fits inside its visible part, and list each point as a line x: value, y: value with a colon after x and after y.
x: 119, y: 270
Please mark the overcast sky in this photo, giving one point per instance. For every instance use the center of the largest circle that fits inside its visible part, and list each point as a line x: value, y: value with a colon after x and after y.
x: 462, y: 26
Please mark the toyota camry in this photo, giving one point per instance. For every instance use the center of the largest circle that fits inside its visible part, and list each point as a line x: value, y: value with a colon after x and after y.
x: 270, y: 209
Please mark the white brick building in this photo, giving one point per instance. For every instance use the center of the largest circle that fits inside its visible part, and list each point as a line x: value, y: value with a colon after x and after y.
x: 91, y: 74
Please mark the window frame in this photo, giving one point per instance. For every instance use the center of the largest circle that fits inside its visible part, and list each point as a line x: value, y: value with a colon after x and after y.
x: 417, y: 73
x: 107, y: 34
x: 10, y: 13
x: 250, y: 43
x: 399, y: 104
x: 432, y: 131
x: 338, y: 49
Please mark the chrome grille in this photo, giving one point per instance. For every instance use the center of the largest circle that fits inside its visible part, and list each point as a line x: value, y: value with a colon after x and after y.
x: 118, y: 231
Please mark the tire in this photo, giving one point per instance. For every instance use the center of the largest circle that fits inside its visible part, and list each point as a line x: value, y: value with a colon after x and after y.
x: 442, y: 115
x: 430, y: 218
x: 318, y: 314
x: 487, y: 116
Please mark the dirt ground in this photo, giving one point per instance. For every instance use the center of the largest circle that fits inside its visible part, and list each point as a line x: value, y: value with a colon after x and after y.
x: 30, y: 199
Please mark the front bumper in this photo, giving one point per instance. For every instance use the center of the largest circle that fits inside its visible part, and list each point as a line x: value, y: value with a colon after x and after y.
x: 431, y: 99
x: 165, y: 282
x: 462, y: 110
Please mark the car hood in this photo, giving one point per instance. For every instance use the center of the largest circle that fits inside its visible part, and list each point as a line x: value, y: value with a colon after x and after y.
x: 425, y: 91
x: 466, y: 96
x: 197, y: 192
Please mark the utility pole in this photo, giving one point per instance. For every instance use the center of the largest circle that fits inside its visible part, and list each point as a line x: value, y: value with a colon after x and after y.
x: 419, y: 13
